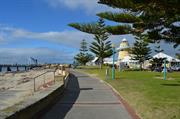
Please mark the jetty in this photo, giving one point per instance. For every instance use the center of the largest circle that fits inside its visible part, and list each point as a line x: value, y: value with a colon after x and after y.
x: 17, y: 66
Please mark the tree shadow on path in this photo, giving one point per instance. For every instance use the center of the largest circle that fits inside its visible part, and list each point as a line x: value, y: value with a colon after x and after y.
x: 65, y: 103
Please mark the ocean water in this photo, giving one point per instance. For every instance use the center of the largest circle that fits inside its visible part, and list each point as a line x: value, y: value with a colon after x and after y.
x: 4, y: 69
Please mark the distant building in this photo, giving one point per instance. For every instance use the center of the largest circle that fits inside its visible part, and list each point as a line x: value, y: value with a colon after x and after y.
x: 125, y: 60
x: 124, y: 57
x: 109, y: 61
x: 94, y: 62
x: 123, y: 50
x: 172, y: 62
x: 122, y: 53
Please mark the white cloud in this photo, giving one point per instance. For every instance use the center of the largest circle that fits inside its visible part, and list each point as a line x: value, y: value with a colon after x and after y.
x: 67, y: 38
x: 90, y: 6
x: 1, y: 38
x: 22, y: 55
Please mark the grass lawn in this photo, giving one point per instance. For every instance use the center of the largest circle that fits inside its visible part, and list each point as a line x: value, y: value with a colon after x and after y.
x: 149, y: 95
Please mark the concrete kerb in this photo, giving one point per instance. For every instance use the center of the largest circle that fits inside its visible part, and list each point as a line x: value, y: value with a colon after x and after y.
x: 133, y: 114
x: 33, y: 111
x: 131, y: 111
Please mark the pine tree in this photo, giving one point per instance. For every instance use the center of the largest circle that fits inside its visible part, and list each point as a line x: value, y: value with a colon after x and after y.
x: 178, y: 55
x: 158, y: 47
x: 101, y: 47
x: 155, y: 16
x: 140, y: 50
x: 157, y: 62
x: 84, y: 46
x: 83, y: 57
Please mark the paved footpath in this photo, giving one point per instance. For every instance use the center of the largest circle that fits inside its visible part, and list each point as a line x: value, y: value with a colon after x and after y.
x: 87, y: 98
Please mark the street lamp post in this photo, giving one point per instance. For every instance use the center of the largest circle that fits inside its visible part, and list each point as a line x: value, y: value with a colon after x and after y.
x: 113, y: 67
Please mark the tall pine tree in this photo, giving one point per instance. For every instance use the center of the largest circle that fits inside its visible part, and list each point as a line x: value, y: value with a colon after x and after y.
x: 101, y: 47
x: 157, y: 62
x: 83, y: 57
x: 83, y: 47
x: 159, y: 18
x: 140, y: 51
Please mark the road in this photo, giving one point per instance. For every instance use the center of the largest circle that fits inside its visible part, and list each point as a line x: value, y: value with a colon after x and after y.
x: 87, y: 98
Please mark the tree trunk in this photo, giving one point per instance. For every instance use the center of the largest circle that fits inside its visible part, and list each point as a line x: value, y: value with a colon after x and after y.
x: 100, y: 63
x: 141, y: 64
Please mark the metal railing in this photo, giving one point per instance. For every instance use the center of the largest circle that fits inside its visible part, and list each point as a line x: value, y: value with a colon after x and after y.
x: 44, y: 79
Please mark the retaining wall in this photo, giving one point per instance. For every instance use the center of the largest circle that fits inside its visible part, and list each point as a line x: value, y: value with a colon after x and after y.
x: 35, y: 110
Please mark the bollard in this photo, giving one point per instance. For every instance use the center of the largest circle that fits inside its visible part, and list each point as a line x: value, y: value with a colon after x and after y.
x: 107, y: 73
x: 119, y: 67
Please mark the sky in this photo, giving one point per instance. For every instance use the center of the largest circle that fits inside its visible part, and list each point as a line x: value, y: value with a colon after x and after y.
x: 39, y: 29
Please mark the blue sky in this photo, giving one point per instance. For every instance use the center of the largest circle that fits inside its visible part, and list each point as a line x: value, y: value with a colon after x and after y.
x: 38, y: 28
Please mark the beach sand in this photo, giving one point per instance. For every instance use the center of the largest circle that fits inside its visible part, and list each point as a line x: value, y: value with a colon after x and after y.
x: 16, y: 87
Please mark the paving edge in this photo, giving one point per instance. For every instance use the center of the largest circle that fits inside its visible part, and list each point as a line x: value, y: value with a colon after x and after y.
x: 37, y: 109
x: 126, y: 105
x: 130, y: 110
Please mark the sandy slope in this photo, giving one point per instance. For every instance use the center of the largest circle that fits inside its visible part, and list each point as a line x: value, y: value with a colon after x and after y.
x: 16, y: 87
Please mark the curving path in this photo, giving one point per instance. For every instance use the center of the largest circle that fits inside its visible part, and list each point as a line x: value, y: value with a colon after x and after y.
x: 87, y: 98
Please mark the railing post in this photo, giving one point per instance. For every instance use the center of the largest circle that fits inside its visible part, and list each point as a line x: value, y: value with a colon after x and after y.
x: 44, y: 79
x: 34, y: 84
x: 54, y: 76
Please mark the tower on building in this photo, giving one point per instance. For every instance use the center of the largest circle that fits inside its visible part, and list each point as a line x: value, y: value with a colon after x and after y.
x: 123, y: 49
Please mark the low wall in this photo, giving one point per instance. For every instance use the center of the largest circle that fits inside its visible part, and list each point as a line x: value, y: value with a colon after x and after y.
x: 66, y: 79
x: 35, y: 110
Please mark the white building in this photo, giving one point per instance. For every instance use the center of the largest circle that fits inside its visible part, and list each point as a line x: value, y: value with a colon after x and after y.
x: 125, y: 60
x: 171, y: 60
